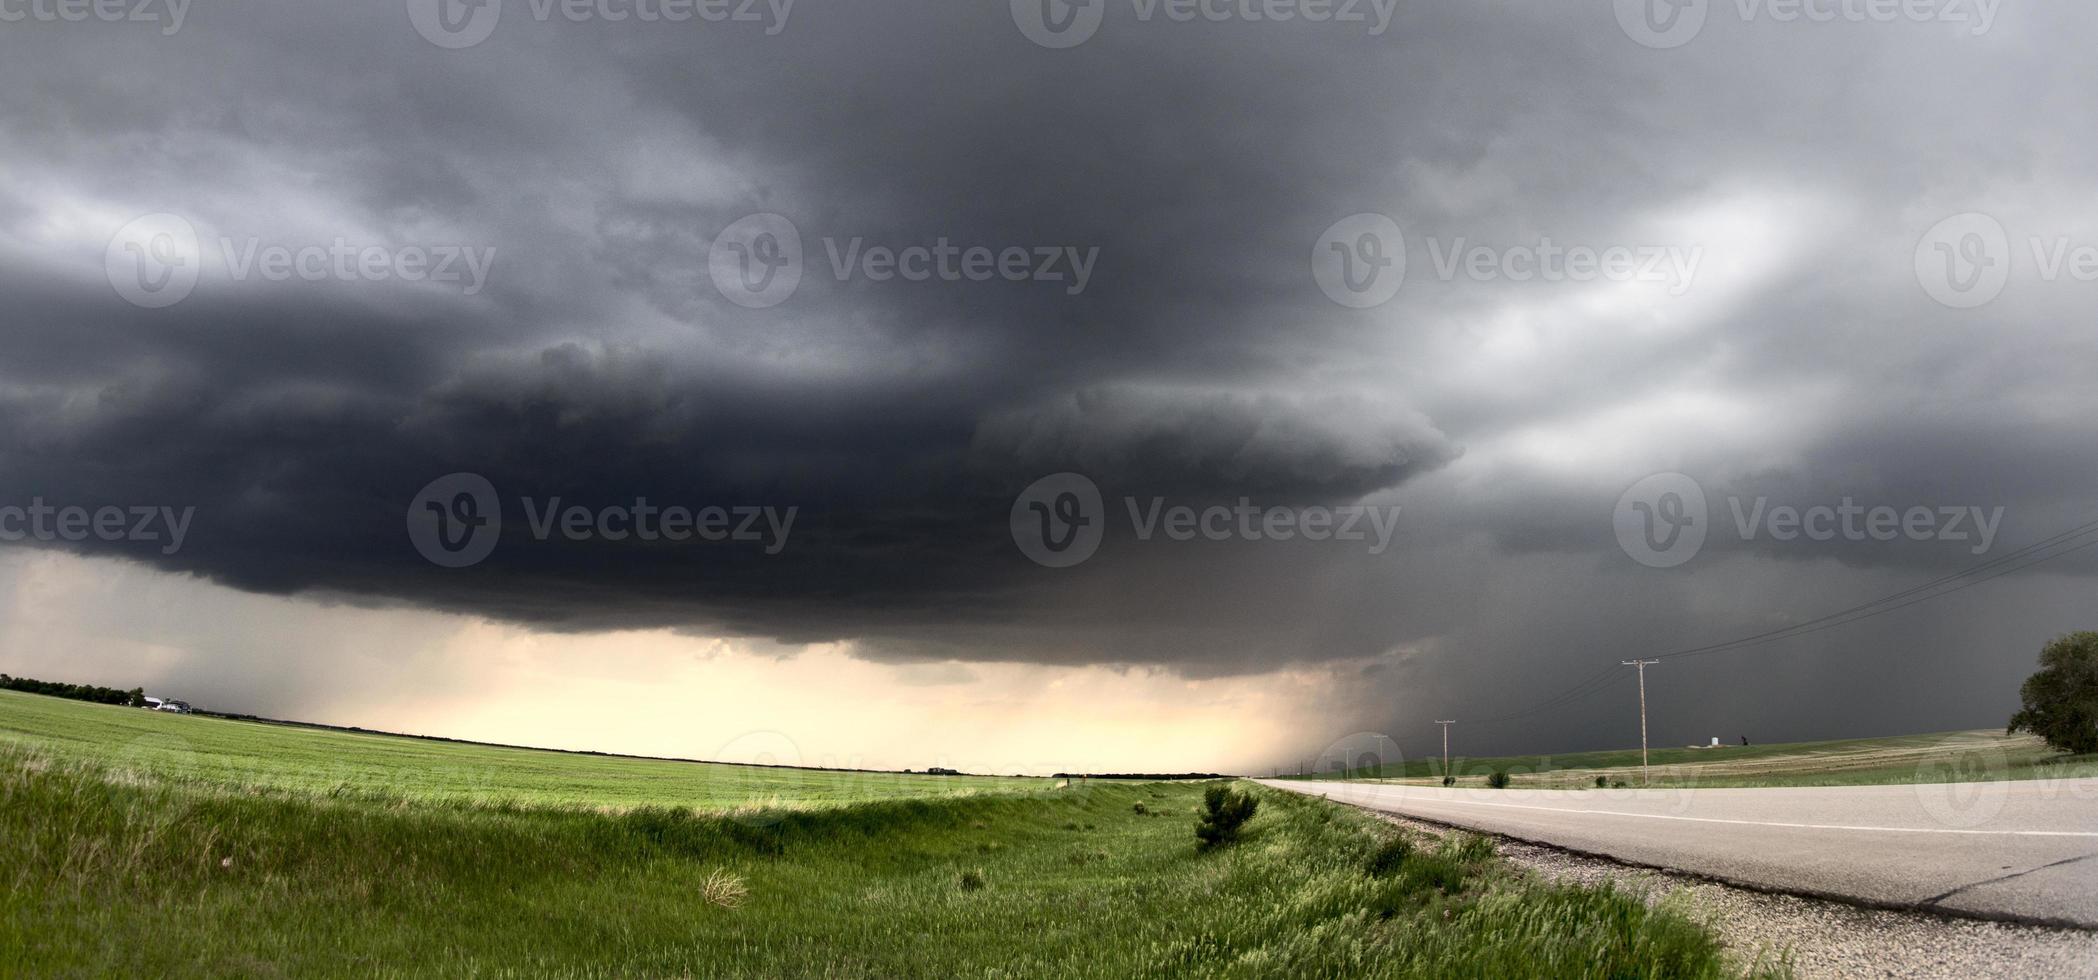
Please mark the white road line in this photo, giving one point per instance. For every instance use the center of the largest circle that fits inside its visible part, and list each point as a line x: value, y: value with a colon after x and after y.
x: 1754, y: 823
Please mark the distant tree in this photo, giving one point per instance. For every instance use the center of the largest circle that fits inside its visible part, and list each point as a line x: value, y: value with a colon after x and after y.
x: 138, y: 697
x: 2061, y: 699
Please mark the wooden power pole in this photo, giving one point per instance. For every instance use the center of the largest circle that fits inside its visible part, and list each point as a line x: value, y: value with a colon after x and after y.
x: 1446, y: 746
x: 1642, y: 665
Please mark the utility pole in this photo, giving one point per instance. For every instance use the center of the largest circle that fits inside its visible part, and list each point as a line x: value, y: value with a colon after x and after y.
x: 1642, y: 665
x: 1446, y: 746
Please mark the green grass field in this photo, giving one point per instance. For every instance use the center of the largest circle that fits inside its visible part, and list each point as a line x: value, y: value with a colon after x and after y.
x: 264, y: 851
x: 1944, y: 757
x: 287, y: 759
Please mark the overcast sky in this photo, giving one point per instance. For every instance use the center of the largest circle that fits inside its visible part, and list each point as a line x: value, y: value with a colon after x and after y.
x: 1506, y: 336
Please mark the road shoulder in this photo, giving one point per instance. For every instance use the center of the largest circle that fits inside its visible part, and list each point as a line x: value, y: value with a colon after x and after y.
x: 1822, y: 938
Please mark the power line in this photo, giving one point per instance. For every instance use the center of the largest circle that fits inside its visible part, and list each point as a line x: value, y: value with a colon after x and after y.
x: 1588, y: 688
x: 2016, y: 561
x: 1867, y: 610
x: 1906, y: 597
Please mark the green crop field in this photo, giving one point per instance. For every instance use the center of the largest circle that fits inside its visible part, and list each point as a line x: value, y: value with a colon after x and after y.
x: 1944, y: 757
x: 312, y: 761
x: 175, y: 846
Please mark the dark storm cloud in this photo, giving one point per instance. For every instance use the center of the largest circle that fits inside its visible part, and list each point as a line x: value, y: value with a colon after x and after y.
x: 1200, y: 162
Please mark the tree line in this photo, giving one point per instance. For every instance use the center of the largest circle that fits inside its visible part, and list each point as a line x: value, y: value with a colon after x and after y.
x: 134, y: 698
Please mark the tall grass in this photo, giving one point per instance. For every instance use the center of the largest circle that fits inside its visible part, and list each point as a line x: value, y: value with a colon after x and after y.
x: 107, y: 872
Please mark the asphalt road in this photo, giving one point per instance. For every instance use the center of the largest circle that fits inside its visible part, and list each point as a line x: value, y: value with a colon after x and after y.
x: 2023, y: 851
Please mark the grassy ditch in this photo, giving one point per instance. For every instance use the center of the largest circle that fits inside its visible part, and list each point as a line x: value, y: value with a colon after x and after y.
x: 111, y: 870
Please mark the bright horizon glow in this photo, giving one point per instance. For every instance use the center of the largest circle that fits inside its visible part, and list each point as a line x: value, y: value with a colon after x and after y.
x: 648, y: 693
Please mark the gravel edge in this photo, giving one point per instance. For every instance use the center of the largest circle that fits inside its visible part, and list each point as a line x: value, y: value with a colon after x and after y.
x: 1820, y: 938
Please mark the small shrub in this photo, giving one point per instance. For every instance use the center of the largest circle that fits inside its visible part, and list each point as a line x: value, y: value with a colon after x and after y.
x: 1389, y: 857
x: 1140, y: 809
x: 724, y: 888
x: 1499, y: 779
x: 1224, y: 811
x: 972, y: 880
x: 1449, y: 780
x: 1601, y: 782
